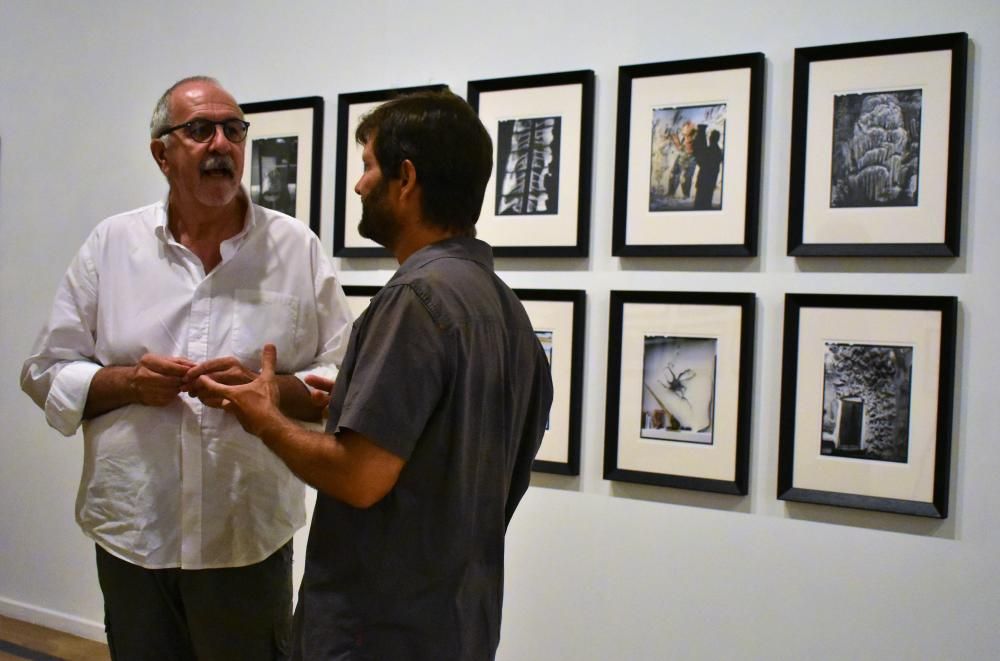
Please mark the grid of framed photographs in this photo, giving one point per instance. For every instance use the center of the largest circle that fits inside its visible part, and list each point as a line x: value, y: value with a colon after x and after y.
x: 867, y: 381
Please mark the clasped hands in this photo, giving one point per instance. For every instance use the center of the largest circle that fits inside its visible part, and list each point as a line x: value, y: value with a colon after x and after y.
x: 156, y: 380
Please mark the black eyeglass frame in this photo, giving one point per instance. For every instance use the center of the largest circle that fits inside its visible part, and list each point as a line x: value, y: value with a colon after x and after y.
x: 221, y: 122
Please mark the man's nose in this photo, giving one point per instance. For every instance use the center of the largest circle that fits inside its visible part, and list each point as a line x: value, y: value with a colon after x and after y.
x: 219, y: 141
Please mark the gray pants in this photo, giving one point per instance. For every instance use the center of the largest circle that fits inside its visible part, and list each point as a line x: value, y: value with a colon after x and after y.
x: 177, y: 614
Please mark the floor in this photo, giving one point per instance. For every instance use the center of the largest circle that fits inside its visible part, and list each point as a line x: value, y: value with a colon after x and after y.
x: 20, y: 640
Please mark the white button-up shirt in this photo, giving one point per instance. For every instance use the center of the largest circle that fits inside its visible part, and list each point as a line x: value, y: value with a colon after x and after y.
x: 183, y: 485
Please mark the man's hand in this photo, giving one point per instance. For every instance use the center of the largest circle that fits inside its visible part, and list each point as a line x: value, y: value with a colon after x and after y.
x: 321, y: 388
x: 348, y: 466
x: 227, y: 370
x: 156, y: 380
x: 254, y: 403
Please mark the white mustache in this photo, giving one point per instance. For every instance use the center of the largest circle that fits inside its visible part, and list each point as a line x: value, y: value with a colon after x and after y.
x: 219, y: 162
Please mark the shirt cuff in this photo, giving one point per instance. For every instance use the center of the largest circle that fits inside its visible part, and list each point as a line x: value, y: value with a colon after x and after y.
x: 325, y: 371
x: 68, y: 396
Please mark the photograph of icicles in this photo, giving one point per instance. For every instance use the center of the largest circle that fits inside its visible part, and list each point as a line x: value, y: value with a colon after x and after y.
x: 866, y: 401
x: 528, y: 166
x: 876, y: 149
x: 687, y: 151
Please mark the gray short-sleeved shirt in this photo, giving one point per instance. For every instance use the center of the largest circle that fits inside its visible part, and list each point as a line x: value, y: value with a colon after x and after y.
x: 444, y: 370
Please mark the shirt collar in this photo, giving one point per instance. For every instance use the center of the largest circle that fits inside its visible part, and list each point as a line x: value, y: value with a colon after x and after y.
x: 459, y: 247
x: 162, y: 228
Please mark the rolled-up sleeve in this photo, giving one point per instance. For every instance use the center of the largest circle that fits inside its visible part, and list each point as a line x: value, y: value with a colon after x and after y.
x: 58, y: 374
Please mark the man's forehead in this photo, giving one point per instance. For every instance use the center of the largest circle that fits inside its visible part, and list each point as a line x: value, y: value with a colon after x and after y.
x: 198, y: 95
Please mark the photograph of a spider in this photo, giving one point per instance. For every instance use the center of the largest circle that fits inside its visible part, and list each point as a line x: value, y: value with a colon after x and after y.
x: 678, y: 388
x: 676, y: 382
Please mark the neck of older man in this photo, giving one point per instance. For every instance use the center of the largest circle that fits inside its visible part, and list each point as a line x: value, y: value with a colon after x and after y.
x: 202, y: 229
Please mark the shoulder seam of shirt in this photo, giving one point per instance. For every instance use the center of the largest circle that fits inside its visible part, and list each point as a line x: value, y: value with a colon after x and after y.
x: 423, y: 301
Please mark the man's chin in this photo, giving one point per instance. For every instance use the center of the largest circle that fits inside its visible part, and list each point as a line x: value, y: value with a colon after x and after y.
x: 384, y: 241
x: 365, y: 230
x: 218, y: 191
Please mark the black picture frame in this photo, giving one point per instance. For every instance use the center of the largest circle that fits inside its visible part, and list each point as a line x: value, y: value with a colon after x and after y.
x: 853, y: 193
x: 544, y: 212
x: 711, y: 335
x: 350, y: 106
x: 292, y: 129
x: 660, y: 107
x: 861, y: 374
x: 561, y: 313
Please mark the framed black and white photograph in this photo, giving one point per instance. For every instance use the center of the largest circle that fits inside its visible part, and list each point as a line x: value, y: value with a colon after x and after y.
x: 351, y: 108
x: 284, y: 155
x: 680, y: 378
x: 866, y: 401
x: 558, y: 317
x: 687, y: 157
x: 877, y: 148
x: 537, y: 201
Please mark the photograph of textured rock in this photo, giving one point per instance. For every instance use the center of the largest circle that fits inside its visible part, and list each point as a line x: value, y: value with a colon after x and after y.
x: 876, y: 149
x: 688, y: 148
x: 528, y: 166
x: 678, y: 383
x: 866, y: 401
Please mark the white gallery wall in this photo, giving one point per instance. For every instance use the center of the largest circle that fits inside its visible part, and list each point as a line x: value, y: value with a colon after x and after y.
x: 595, y: 569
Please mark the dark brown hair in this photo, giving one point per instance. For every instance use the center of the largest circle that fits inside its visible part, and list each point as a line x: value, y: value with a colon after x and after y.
x: 449, y: 147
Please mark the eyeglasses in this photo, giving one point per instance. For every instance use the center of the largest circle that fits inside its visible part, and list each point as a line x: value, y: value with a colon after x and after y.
x: 203, y: 130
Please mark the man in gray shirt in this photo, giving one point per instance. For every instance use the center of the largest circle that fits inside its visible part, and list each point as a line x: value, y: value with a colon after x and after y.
x: 437, y: 413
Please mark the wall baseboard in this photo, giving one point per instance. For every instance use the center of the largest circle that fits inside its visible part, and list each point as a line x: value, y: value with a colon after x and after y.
x: 77, y: 626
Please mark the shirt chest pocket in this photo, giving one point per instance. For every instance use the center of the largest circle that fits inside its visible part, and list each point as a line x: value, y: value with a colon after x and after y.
x: 264, y: 317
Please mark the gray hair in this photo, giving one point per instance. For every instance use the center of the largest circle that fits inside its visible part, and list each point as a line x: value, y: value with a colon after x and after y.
x: 161, y: 120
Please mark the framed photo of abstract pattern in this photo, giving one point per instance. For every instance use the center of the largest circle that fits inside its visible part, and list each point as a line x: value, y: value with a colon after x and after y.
x: 866, y: 402
x: 687, y: 157
x: 347, y: 242
x: 680, y: 376
x: 537, y: 202
x: 558, y: 317
x: 877, y: 148
x: 284, y: 156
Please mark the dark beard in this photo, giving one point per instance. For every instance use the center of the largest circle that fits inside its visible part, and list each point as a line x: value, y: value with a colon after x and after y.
x: 377, y: 222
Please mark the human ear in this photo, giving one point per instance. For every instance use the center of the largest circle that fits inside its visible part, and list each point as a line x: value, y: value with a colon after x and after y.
x: 159, y: 152
x: 407, y: 175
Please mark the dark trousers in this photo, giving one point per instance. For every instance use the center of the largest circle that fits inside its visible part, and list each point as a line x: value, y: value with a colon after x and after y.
x: 206, y: 614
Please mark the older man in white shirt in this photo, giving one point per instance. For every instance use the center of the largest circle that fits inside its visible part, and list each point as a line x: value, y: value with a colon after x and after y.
x: 192, y: 518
